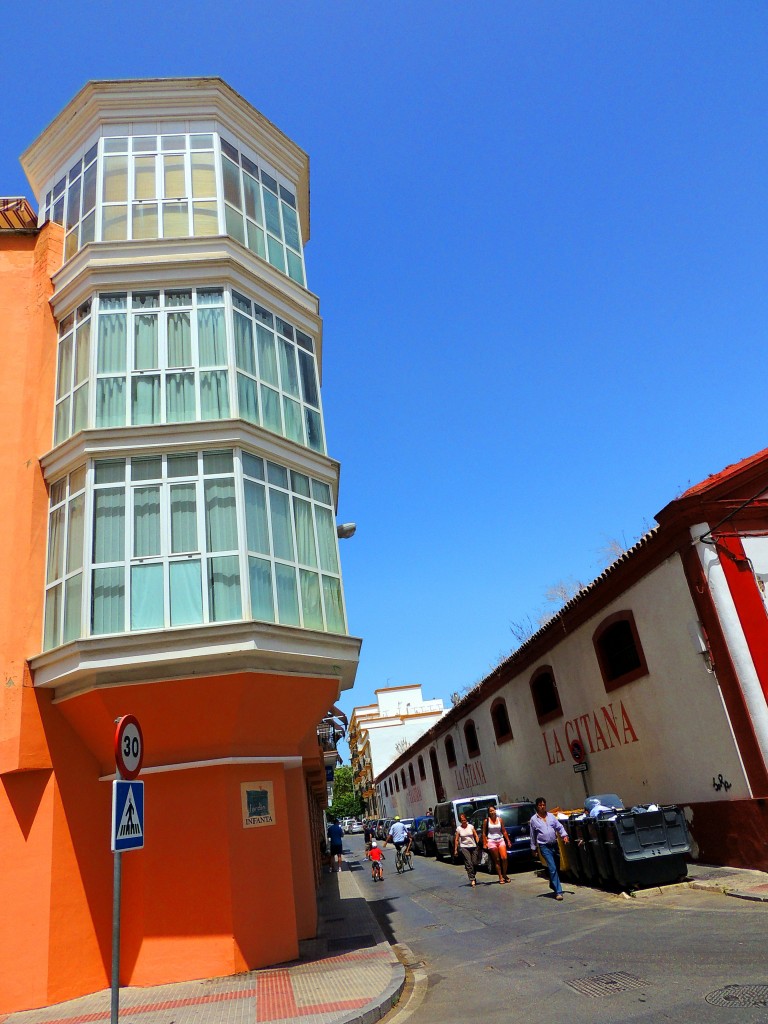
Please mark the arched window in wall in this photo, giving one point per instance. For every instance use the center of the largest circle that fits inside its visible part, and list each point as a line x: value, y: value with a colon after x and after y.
x: 470, y: 735
x: 422, y: 770
x: 619, y: 651
x: 402, y: 778
x: 439, y: 789
x: 546, y: 699
x: 411, y: 774
x: 500, y: 719
x: 397, y: 784
x: 450, y: 752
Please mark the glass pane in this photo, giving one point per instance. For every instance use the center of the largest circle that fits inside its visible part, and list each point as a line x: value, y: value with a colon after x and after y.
x: 326, y: 539
x: 182, y: 465
x: 147, y: 597
x: 305, y: 532
x: 89, y: 188
x: 282, y: 536
x: 179, y: 339
x: 52, y: 617
x: 314, y: 430
x: 309, y: 390
x: 294, y: 425
x: 203, y: 175
x: 289, y: 376
x: 109, y: 471
x: 144, y: 178
x: 76, y: 533
x: 247, y: 400
x: 61, y: 430
x: 233, y: 223
x: 73, y: 608
x: 267, y: 356
x: 114, y: 223
x: 244, y: 354
x: 183, y: 518
x: 82, y: 351
x: 205, y: 218
x: 276, y: 253
x: 214, y: 395
x: 174, y: 186
x: 175, y: 220
x: 88, y: 228
x: 260, y: 578
x: 115, y: 187
x: 110, y: 402
x: 321, y: 492
x: 108, y: 600
x: 77, y: 480
x: 186, y: 584
x: 73, y: 204
x: 145, y: 341
x: 231, y: 176
x: 277, y: 475
x: 334, y: 610
x: 178, y: 298
x: 256, y: 526
x: 287, y: 596
x: 224, y: 602
x: 310, y: 600
x: 252, y: 198
x: 272, y: 214
x: 110, y: 356
x: 220, y: 514
x: 64, y: 377
x: 145, y: 221
x: 216, y: 463
x: 252, y: 466
x: 55, y: 545
x: 256, y: 241
x: 291, y: 226
x: 147, y: 467
x: 146, y: 522
x: 212, y: 338
x: 145, y: 399
x: 109, y: 525
x: 180, y: 397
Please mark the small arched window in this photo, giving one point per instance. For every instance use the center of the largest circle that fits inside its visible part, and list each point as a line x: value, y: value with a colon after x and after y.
x: 397, y: 784
x: 450, y: 752
x: 470, y: 735
x: 422, y: 769
x: 619, y: 651
x: 500, y: 719
x: 402, y: 776
x: 546, y: 699
x: 411, y: 775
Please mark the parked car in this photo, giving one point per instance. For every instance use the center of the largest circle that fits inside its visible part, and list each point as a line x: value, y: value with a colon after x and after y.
x: 447, y: 818
x: 424, y: 836
x: 345, y: 823
x: 516, y: 818
x: 379, y: 829
x: 356, y: 827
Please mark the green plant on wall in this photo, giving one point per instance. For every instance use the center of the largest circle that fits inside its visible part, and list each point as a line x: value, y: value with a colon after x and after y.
x: 346, y: 803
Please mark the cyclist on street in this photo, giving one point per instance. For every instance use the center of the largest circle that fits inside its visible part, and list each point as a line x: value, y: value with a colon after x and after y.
x: 400, y: 836
x: 375, y: 856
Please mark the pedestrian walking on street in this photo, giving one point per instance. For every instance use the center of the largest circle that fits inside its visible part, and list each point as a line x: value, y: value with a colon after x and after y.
x: 336, y: 836
x: 496, y: 841
x: 368, y: 835
x: 545, y: 828
x: 466, y: 840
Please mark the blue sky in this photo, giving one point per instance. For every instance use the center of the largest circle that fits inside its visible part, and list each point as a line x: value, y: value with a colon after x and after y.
x: 540, y: 242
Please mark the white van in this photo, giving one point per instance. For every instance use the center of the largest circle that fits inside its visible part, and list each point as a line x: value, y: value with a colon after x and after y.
x: 446, y: 817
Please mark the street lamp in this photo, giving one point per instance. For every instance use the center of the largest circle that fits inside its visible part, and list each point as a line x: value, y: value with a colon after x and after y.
x: 345, y: 530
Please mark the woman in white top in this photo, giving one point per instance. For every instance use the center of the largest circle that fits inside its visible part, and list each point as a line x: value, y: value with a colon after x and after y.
x: 496, y: 841
x: 466, y: 840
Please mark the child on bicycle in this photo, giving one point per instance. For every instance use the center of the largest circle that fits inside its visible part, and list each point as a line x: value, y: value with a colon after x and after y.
x: 375, y: 856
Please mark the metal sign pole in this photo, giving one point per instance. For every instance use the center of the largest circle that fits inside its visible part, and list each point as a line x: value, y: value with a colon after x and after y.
x: 117, y: 878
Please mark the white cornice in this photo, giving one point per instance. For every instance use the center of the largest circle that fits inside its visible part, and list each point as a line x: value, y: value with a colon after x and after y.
x: 120, y: 442
x: 176, y: 262
x: 158, y: 100
x: 286, y: 760
x: 190, y: 652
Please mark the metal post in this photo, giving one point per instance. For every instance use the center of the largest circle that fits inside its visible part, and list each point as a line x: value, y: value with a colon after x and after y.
x: 584, y: 780
x: 117, y: 877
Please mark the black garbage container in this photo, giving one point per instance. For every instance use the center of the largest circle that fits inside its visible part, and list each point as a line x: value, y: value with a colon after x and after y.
x: 647, y: 847
x: 574, y: 860
x: 596, y: 831
x: 578, y: 835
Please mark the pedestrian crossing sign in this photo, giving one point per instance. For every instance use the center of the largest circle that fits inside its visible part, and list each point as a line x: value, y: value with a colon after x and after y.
x: 127, y: 816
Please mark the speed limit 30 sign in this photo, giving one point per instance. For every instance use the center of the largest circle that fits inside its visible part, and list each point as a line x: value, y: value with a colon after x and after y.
x: 129, y: 747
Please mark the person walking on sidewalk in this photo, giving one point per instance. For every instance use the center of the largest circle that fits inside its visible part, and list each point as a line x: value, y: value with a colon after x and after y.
x: 545, y: 828
x: 496, y: 841
x: 466, y: 840
x: 336, y: 836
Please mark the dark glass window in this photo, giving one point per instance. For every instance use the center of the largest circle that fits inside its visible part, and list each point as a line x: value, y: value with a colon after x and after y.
x: 470, y: 735
x: 402, y: 776
x: 546, y: 699
x: 411, y: 775
x: 422, y: 769
x: 619, y: 651
x: 500, y: 719
x: 450, y: 752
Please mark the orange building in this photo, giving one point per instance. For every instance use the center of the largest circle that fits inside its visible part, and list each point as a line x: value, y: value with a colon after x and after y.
x: 170, y: 519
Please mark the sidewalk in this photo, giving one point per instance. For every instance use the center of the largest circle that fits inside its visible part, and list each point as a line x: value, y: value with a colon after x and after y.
x: 349, y: 974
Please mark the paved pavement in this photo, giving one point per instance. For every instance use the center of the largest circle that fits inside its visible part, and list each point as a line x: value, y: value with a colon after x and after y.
x: 349, y: 974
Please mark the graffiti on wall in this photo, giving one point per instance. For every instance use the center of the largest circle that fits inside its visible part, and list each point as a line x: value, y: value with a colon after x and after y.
x: 599, y: 730
x: 720, y: 783
x: 414, y: 795
x: 469, y: 776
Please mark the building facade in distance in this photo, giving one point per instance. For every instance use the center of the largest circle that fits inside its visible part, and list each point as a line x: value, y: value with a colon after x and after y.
x: 170, y: 524
x: 377, y: 732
